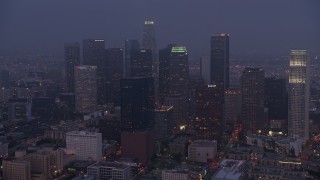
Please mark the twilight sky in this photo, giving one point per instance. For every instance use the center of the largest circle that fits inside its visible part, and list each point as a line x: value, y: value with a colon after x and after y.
x: 261, y: 26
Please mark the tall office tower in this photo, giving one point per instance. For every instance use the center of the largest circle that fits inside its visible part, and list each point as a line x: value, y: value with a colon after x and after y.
x: 93, y: 51
x: 232, y: 105
x: 149, y: 42
x: 178, y: 71
x: 94, y: 55
x: 85, y: 88
x: 252, y: 89
x: 276, y: 98
x: 72, y: 59
x: 208, y: 115
x: 141, y: 63
x: 85, y: 145
x: 137, y: 103
x: 130, y: 45
x: 114, y: 57
x: 164, y: 70
x: 220, y: 60
x: 178, y: 84
x: 298, y: 94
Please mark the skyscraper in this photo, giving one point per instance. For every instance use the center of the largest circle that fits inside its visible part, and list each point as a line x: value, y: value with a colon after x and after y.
x: 209, y: 105
x: 85, y: 88
x: 149, y: 42
x: 252, y: 89
x: 72, y: 59
x: 298, y: 108
x: 130, y: 45
x: 137, y: 103
x: 178, y: 84
x: 276, y: 98
x: 178, y: 71
x: 93, y: 51
x: 114, y: 70
x: 141, y: 63
x: 94, y: 55
x: 220, y: 60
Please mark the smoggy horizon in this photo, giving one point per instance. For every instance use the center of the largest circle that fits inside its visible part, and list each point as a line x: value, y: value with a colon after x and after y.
x: 265, y: 27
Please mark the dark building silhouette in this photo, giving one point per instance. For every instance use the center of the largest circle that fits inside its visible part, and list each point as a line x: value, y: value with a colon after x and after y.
x: 149, y: 42
x: 164, y: 71
x: 94, y: 55
x: 114, y: 72
x: 141, y: 63
x: 93, y: 51
x: 208, y: 117
x: 72, y: 59
x: 163, y: 122
x: 130, y: 45
x: 138, y: 145
x: 276, y: 98
x: 137, y: 103
x: 177, y: 84
x: 252, y: 89
x: 109, y: 126
x: 220, y: 60
x: 42, y: 107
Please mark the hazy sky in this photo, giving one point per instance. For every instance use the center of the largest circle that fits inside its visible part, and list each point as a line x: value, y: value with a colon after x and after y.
x: 43, y: 26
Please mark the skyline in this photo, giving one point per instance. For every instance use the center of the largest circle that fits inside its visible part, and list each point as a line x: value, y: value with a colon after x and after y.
x: 44, y: 26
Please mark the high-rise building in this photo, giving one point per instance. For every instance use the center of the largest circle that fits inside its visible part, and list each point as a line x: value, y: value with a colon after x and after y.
x: 141, y: 63
x: 130, y: 45
x: 85, y: 145
x: 232, y: 105
x: 85, y: 88
x: 178, y: 71
x: 93, y: 51
x: 252, y: 89
x: 137, y: 103
x: 164, y: 71
x: 298, y: 94
x: 114, y: 70
x: 178, y: 84
x: 94, y: 55
x: 220, y: 60
x: 72, y: 59
x: 276, y: 98
x: 149, y: 42
x: 208, y: 115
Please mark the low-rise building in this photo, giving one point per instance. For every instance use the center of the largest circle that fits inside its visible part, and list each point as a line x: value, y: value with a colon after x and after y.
x: 232, y: 170
x: 109, y: 170
x: 175, y: 174
x: 202, y: 151
x: 15, y: 169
